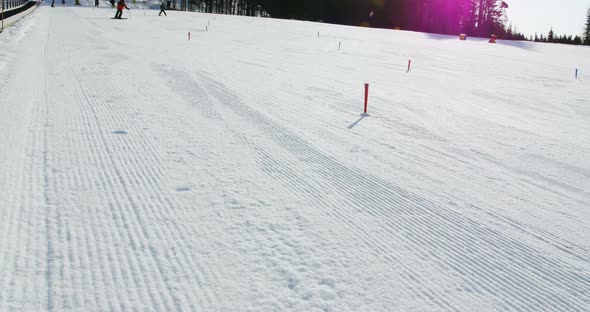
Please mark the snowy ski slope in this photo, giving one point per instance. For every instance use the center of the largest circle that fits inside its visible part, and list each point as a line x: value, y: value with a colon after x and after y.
x: 233, y: 172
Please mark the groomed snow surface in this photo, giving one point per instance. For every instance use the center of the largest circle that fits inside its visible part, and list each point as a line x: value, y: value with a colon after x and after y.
x: 233, y: 172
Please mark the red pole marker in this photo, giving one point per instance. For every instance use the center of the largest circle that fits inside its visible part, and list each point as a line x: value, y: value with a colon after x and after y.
x: 409, y: 64
x: 366, y: 96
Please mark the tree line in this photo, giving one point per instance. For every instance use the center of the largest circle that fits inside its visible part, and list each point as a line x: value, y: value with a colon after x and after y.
x: 555, y: 38
x: 233, y: 7
x: 473, y: 17
x: 479, y: 18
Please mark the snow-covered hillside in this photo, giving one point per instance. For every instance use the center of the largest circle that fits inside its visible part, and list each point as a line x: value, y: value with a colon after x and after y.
x: 234, y: 172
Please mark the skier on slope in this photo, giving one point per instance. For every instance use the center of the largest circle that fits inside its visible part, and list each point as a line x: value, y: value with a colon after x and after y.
x: 112, y: 3
x: 162, y: 8
x: 120, y: 5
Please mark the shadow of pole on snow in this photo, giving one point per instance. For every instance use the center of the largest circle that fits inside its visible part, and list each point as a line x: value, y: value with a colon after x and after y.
x: 352, y: 125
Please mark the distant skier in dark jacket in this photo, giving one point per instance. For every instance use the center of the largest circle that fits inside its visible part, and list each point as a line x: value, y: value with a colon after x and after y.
x: 112, y: 3
x: 162, y: 8
x: 120, y: 6
x: 96, y: 3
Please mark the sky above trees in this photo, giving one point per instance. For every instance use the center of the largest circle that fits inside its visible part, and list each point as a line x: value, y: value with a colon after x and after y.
x: 566, y: 16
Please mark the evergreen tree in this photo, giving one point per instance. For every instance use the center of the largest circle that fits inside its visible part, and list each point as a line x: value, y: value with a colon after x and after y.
x: 551, y: 35
x: 509, y: 34
x: 587, y: 30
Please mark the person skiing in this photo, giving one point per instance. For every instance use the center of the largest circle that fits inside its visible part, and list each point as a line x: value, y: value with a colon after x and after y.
x: 120, y: 5
x: 112, y: 3
x: 95, y: 3
x: 162, y: 8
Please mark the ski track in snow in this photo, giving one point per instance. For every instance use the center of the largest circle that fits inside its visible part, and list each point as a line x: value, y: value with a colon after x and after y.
x: 459, y: 244
x: 178, y: 193
x: 140, y: 208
